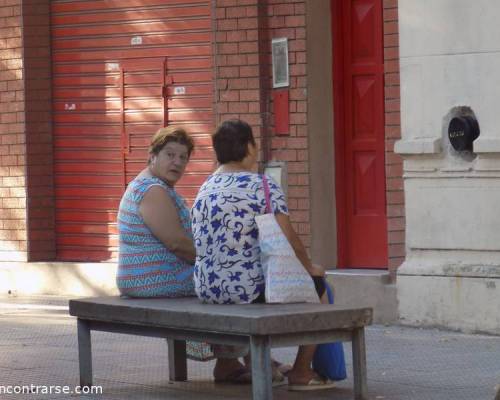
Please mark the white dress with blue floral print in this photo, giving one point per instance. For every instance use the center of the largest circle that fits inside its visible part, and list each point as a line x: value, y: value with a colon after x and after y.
x: 228, y: 268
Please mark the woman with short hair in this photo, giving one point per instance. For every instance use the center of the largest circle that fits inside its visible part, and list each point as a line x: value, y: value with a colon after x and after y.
x: 156, y: 253
x: 228, y: 268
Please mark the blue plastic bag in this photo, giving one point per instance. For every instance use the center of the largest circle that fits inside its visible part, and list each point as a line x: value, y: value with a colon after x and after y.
x: 329, y: 361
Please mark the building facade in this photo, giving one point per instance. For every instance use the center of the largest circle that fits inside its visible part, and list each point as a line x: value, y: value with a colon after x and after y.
x: 83, y: 85
x: 449, y: 69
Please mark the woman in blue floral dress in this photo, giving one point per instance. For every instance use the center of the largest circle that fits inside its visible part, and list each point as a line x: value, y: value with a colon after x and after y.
x: 227, y: 268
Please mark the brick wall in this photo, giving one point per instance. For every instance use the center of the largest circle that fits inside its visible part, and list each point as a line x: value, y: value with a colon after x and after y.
x: 394, y: 163
x: 13, y: 226
x: 244, y: 29
x: 37, y: 67
x: 287, y: 18
x: 25, y: 136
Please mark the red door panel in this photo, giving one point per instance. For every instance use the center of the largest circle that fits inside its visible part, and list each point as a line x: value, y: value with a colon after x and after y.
x: 359, y: 133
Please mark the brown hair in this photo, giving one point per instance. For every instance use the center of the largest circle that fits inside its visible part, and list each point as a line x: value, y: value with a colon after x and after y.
x: 175, y: 134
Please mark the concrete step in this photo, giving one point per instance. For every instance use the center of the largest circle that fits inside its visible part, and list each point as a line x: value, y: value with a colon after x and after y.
x: 366, y: 288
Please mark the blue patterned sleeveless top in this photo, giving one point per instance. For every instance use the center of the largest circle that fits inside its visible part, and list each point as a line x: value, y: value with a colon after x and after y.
x: 146, y: 268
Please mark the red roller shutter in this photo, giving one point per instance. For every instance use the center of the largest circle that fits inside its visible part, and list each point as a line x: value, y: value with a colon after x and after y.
x: 121, y: 70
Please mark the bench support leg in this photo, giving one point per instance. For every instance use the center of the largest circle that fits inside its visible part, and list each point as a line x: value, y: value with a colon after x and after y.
x: 260, y: 351
x: 84, y: 352
x: 359, y: 364
x: 177, y: 362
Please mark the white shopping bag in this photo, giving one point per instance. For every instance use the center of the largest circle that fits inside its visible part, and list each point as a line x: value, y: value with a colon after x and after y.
x: 286, y: 280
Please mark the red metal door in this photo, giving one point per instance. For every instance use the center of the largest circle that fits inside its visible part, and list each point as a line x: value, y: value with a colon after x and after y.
x: 359, y: 133
x: 121, y: 70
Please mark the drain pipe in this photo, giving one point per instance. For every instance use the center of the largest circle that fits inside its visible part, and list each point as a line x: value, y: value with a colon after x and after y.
x: 264, y: 49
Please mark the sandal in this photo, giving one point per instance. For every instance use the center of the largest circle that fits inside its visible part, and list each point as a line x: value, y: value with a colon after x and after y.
x: 239, y: 376
x: 313, y: 384
x: 284, y: 369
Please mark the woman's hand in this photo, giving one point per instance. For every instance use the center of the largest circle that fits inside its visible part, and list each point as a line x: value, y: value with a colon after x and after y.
x: 317, y: 270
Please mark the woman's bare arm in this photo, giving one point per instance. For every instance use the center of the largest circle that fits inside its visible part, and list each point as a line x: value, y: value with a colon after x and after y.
x: 161, y: 217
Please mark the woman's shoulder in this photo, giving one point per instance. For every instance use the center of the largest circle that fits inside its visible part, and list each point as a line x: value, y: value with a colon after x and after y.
x: 142, y: 184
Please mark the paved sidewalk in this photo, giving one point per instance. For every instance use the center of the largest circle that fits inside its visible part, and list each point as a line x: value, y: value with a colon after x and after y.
x: 38, y: 346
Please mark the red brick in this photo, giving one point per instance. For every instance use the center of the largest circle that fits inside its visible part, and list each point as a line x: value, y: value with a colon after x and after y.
x: 296, y: 20
x: 392, y: 92
x: 284, y: 154
x: 247, y: 23
x: 395, y: 211
x: 6, y: 118
x: 396, y: 237
x: 14, y: 224
x: 230, y: 95
x: 297, y: 167
x: 277, y: 22
x: 297, y: 45
x: 14, y: 202
x: 396, y: 224
x: 227, y: 48
x: 392, y: 105
x: 249, y: 95
x: 302, y: 155
x: 238, y: 83
x: 297, y: 143
x: 236, y: 12
x: 397, y: 250
x: 227, y: 25
x: 392, y: 118
x: 390, y: 14
x: 229, y: 72
x: 221, y: 108
x: 298, y: 118
x: 394, y: 184
x: 238, y: 107
x: 303, y: 204
x: 283, y: 9
x: 391, y: 66
x: 226, y: 3
x: 220, y: 13
x: 299, y: 216
x: 247, y: 47
x: 394, y: 170
x: 284, y: 32
x: 391, y: 40
x: 390, y: 27
x: 236, y: 36
x: 303, y: 229
x: 249, y: 71
x: 396, y: 197
x: 390, y: 3
x: 254, y: 107
x: 297, y: 94
x: 391, y: 53
x: 298, y: 69
x: 392, y: 158
x: 300, y: 9
x: 16, y: 171
x: 252, y: 11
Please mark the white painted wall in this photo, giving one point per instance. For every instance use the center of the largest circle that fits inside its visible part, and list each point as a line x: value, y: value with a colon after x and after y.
x: 450, y: 58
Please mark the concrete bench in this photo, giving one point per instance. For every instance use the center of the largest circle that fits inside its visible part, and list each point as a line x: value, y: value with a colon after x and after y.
x: 261, y: 326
